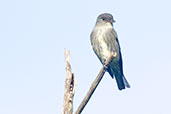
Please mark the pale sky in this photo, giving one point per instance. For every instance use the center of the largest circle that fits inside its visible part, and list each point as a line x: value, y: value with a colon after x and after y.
x: 34, y: 33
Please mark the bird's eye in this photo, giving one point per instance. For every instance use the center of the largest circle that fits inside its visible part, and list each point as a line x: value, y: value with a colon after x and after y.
x: 103, y: 19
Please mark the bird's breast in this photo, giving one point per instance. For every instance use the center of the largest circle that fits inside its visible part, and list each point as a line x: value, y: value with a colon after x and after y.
x: 105, y: 43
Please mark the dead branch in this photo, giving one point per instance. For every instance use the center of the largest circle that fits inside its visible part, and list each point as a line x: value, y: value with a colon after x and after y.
x: 69, y: 87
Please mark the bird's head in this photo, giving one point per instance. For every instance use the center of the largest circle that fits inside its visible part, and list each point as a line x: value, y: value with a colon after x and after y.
x: 105, y: 18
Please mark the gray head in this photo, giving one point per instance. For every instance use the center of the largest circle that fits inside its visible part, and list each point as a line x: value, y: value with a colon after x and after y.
x: 105, y: 18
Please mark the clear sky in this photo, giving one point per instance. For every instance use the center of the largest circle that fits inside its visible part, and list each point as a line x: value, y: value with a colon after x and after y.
x: 34, y: 33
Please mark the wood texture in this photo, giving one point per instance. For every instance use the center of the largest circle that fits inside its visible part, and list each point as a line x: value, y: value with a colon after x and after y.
x: 69, y: 87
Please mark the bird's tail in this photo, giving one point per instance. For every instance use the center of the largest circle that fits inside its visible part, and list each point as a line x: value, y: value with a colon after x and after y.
x: 121, y: 82
x: 120, y: 78
x: 126, y: 82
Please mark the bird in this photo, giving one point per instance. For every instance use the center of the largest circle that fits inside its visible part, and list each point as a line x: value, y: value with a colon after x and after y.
x: 104, y: 41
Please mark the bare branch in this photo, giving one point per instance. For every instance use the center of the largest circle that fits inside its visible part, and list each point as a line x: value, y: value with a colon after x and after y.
x: 69, y: 87
x: 95, y: 83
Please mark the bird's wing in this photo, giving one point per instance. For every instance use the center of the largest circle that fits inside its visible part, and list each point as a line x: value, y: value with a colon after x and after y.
x: 120, y: 57
x: 115, y: 46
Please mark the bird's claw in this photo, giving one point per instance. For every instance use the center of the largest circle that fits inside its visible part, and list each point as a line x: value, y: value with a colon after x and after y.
x: 105, y: 66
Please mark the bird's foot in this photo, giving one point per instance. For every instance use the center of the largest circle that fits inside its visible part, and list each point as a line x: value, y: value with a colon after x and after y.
x: 105, y: 66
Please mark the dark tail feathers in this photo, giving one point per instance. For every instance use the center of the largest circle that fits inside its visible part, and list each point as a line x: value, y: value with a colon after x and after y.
x: 122, y: 82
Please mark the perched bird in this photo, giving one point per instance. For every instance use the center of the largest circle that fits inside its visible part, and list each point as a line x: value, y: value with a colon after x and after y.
x: 104, y: 41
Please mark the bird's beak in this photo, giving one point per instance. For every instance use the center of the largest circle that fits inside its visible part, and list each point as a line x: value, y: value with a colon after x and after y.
x: 112, y: 21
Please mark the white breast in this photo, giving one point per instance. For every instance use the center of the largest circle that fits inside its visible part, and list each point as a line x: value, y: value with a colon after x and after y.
x: 100, y: 38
